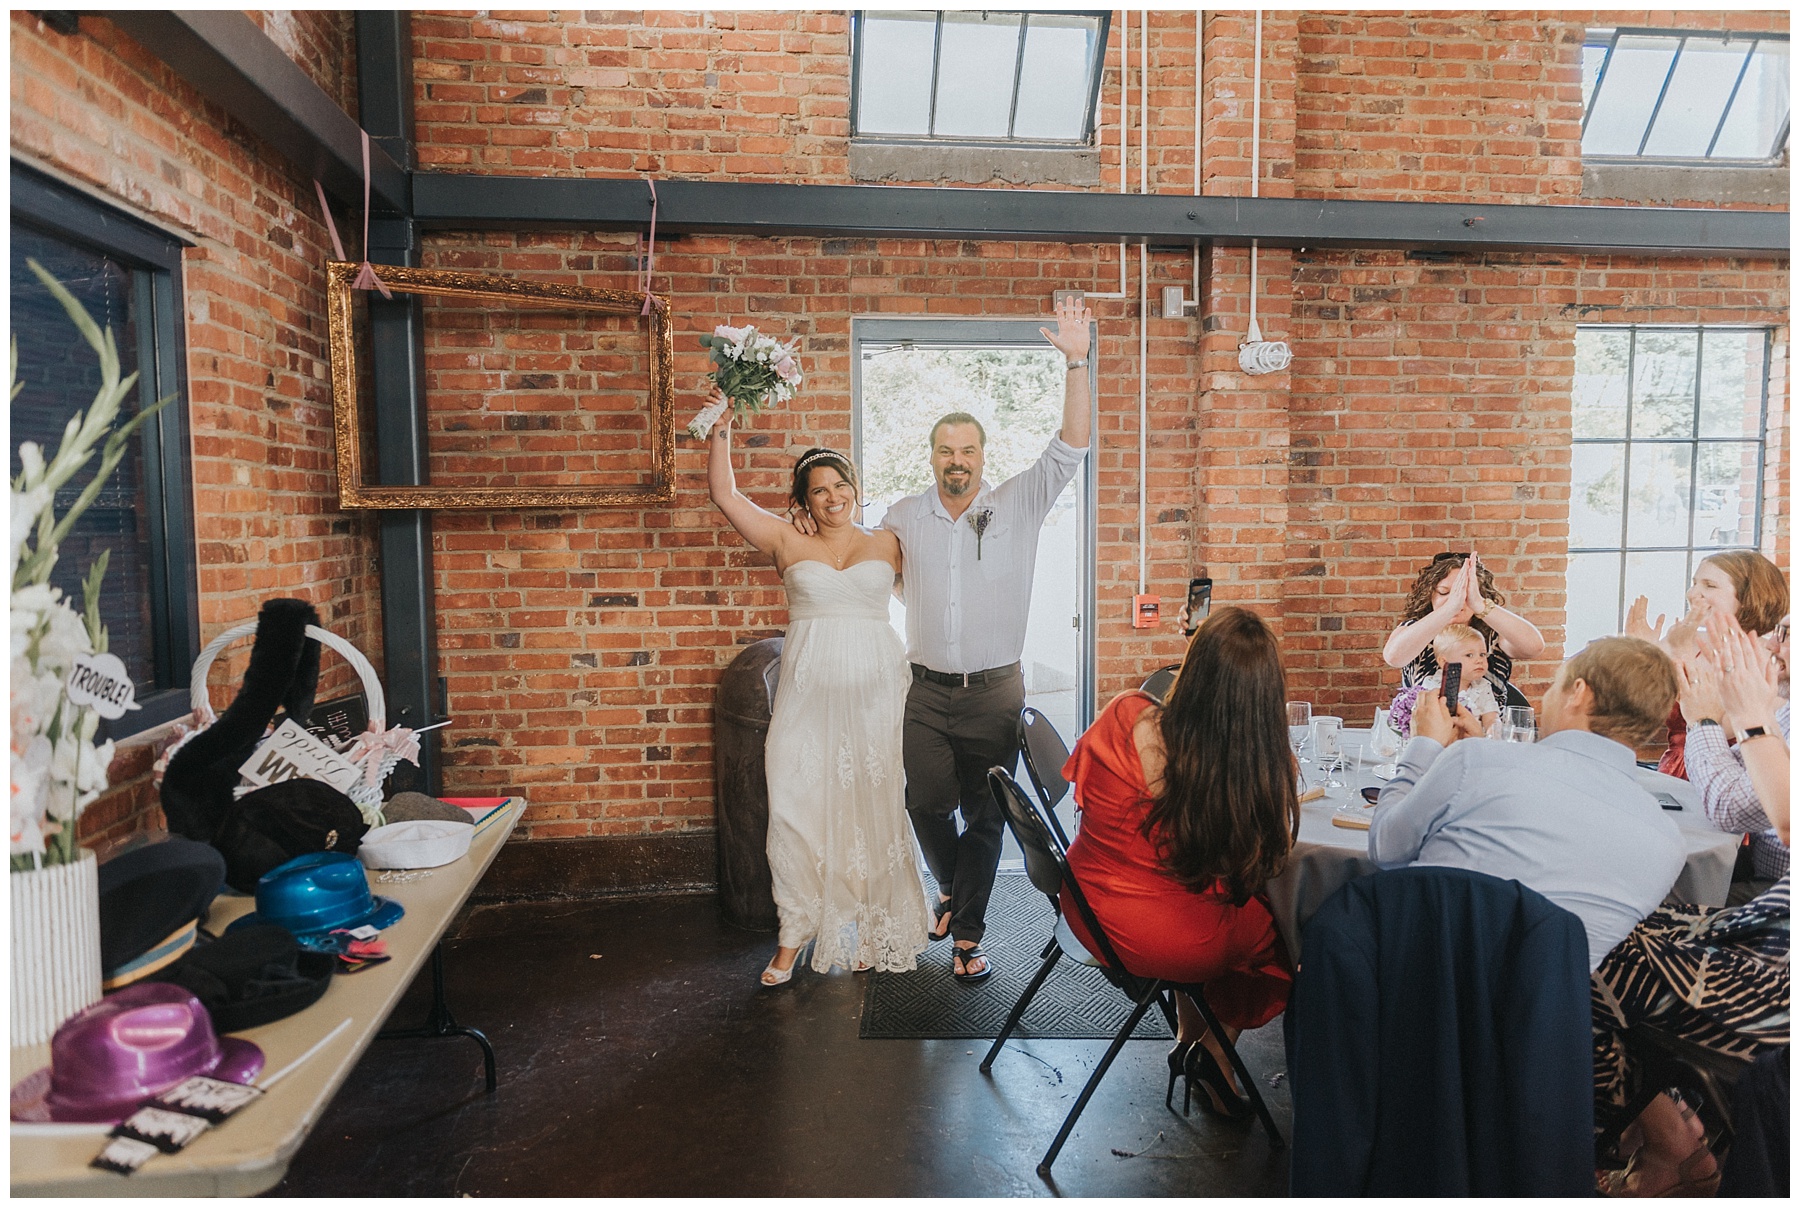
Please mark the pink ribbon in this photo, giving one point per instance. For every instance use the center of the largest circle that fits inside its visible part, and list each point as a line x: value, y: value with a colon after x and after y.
x: 365, y: 274
x: 650, y: 299
x: 370, y: 748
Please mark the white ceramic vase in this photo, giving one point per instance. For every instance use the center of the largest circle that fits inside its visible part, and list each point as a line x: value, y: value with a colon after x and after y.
x: 55, y: 946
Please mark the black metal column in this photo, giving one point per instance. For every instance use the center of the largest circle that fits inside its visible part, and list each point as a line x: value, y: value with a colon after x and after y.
x: 397, y: 376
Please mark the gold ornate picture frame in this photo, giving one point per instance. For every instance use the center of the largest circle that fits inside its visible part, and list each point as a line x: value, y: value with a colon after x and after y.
x: 354, y: 494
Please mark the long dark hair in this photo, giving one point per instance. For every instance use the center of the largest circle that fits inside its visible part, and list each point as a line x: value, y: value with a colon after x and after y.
x: 811, y: 460
x: 1228, y: 811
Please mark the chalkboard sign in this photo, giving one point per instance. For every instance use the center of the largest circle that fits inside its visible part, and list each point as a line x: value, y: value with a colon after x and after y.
x: 338, y: 721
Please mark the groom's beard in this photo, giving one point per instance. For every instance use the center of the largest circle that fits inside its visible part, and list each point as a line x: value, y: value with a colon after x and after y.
x: 956, y: 487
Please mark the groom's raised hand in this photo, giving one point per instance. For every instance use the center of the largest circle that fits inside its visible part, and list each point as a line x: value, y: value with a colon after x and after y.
x: 1073, y: 333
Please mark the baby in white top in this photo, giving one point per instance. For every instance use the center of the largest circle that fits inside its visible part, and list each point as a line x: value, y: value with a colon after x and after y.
x: 1462, y: 644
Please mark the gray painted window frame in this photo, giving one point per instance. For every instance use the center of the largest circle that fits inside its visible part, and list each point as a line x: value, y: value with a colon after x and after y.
x: 1609, y: 38
x: 1096, y: 72
x: 1693, y: 441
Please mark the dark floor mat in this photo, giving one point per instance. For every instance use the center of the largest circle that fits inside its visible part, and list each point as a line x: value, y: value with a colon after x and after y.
x: 1076, y: 1003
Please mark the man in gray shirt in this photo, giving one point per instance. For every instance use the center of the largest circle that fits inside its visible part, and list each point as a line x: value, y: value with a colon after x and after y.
x: 1564, y: 816
x: 970, y: 552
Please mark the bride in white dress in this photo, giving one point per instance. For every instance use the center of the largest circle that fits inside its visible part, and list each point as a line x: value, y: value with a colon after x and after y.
x: 841, y: 849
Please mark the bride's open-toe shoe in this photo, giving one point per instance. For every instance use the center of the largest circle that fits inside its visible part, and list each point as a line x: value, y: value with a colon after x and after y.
x: 771, y: 976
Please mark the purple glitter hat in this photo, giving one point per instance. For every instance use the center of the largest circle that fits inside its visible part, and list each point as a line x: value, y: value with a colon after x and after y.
x: 126, y: 1048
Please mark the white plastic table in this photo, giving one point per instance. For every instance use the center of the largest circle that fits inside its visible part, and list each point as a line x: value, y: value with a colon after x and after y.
x: 249, y: 1153
x: 1326, y: 856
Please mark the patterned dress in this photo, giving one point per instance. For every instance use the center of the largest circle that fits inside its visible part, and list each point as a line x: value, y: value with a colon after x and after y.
x: 1714, y: 977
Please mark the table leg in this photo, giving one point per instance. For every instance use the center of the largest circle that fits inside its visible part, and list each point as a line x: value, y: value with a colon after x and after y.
x: 442, y: 1023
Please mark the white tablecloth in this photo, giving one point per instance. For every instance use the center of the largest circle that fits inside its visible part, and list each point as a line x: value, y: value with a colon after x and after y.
x: 1326, y: 856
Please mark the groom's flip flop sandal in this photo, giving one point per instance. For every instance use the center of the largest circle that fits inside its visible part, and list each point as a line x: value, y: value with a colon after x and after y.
x: 969, y: 955
x: 939, y: 913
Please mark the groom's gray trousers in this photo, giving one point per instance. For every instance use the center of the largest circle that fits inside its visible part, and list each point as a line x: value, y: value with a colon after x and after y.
x: 954, y: 734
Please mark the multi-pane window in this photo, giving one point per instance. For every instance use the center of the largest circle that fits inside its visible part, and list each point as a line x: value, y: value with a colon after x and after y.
x: 1667, y: 463
x: 128, y: 278
x: 980, y: 76
x: 1664, y: 95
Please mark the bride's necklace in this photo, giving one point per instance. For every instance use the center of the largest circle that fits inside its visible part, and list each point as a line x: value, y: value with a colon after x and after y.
x: 837, y: 559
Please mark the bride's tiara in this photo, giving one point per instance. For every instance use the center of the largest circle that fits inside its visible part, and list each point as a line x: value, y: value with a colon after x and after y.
x: 819, y: 455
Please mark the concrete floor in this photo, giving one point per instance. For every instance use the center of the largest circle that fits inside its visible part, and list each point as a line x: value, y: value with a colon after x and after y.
x: 638, y: 1056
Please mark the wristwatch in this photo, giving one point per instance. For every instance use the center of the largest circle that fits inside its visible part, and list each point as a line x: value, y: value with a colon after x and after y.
x: 1707, y: 721
x: 1081, y: 364
x: 1753, y: 732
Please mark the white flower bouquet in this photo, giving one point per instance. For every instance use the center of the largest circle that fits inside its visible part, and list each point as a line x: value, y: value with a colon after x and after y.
x: 751, y: 370
x: 57, y: 768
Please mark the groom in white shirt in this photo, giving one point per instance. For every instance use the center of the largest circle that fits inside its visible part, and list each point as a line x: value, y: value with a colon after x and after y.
x: 970, y: 551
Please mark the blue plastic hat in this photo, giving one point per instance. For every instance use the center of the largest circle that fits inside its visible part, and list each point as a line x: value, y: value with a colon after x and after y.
x: 319, y: 892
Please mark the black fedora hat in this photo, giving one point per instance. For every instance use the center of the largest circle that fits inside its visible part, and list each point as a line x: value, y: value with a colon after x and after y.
x: 272, y: 825
x: 254, y: 975
x: 151, y: 900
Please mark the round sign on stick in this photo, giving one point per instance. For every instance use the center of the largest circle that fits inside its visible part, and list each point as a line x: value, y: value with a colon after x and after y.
x: 100, y: 682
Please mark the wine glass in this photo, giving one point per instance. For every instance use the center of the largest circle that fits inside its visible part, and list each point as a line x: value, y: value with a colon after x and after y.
x: 1299, y: 715
x: 1299, y: 723
x: 1328, y: 748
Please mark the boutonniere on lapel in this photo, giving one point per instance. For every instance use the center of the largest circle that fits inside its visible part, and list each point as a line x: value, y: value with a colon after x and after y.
x: 979, y: 519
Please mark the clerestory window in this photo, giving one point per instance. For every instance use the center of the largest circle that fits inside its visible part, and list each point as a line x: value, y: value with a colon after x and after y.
x: 977, y: 77
x: 1652, y: 95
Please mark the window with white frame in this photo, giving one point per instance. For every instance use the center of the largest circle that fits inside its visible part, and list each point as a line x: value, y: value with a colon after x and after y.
x: 1691, y: 97
x: 1667, y: 463
x: 977, y: 76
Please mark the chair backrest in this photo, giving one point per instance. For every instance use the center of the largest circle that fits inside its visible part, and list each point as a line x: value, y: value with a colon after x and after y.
x: 1157, y: 684
x: 1046, y: 859
x: 1515, y: 698
x: 1439, y: 1041
x: 1045, y: 753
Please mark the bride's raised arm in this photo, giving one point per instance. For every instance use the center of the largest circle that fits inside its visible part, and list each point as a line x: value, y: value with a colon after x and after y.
x: 763, y: 529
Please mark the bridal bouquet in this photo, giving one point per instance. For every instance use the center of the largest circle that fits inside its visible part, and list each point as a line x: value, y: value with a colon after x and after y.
x: 751, y: 370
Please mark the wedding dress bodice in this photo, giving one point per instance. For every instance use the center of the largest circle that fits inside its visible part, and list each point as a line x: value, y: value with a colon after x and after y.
x: 818, y: 591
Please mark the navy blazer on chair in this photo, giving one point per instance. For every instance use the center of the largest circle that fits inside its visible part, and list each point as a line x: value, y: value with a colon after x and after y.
x: 1439, y: 1041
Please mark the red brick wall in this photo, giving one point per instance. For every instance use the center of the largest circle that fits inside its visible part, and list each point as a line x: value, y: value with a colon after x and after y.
x: 322, y: 42
x: 97, y: 110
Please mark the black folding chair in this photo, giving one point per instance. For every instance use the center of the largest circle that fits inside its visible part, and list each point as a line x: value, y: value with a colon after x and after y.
x: 1045, y: 753
x: 1157, y: 683
x: 1047, y: 864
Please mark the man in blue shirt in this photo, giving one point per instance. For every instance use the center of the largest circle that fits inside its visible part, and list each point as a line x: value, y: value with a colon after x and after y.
x: 1564, y: 816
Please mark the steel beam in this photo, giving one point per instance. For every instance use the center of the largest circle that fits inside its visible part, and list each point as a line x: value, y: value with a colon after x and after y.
x: 397, y: 380
x: 231, y: 62
x: 454, y: 201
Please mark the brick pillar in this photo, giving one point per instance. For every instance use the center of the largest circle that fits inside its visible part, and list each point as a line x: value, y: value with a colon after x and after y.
x: 1242, y: 468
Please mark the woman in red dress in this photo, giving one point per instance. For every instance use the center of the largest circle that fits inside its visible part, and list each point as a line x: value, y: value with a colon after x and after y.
x: 1187, y: 809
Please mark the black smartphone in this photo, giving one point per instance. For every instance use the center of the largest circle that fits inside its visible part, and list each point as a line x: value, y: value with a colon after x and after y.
x: 1371, y: 794
x: 1452, y: 686
x: 1199, y: 603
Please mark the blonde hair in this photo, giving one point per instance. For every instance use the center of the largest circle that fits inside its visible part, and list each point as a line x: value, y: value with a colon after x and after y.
x: 1450, y: 635
x: 1633, y: 686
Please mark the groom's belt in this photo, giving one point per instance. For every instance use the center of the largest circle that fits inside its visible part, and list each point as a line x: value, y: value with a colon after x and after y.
x: 964, y: 679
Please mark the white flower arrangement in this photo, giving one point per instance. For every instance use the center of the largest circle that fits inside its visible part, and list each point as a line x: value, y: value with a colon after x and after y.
x: 751, y: 370
x: 57, y: 768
